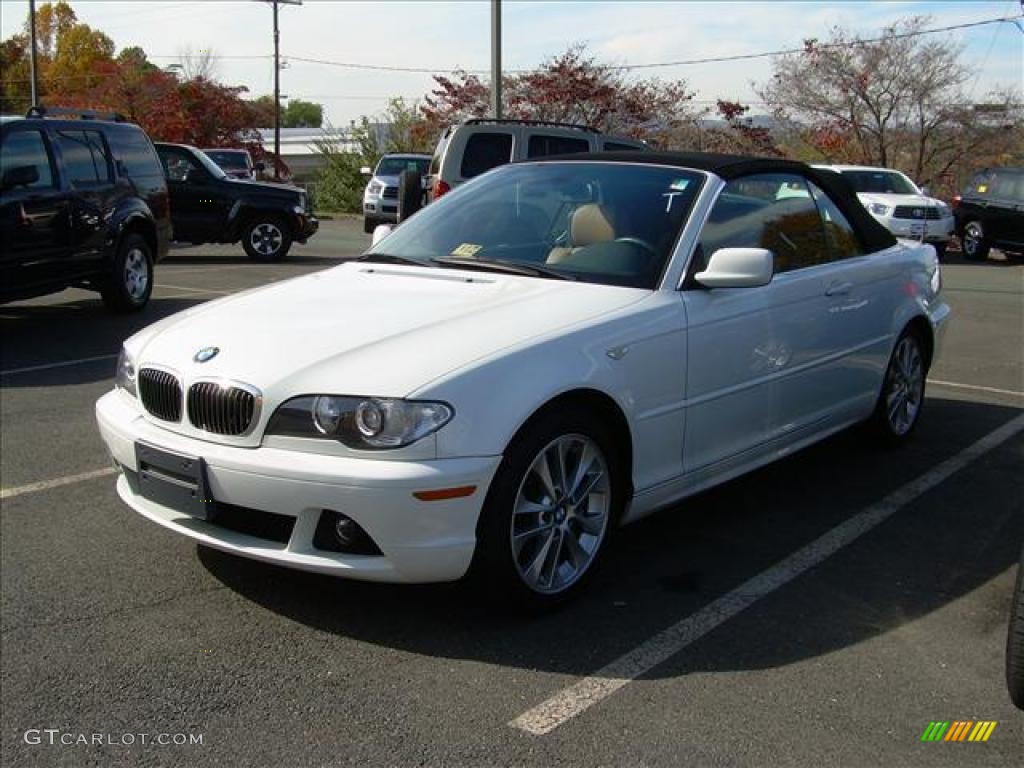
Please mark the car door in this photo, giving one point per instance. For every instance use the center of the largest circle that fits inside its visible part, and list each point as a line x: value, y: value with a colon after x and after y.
x: 1006, y: 208
x: 197, y: 201
x: 86, y: 161
x: 34, y: 212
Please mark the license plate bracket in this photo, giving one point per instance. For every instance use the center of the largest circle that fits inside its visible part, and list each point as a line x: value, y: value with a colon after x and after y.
x: 174, y: 480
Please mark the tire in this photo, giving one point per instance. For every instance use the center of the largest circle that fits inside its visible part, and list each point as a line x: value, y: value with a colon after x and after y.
x: 266, y: 238
x: 901, y: 400
x: 369, y: 225
x: 129, y: 280
x: 940, y: 250
x: 410, y: 194
x: 973, y: 242
x: 1015, y: 642
x: 513, y: 555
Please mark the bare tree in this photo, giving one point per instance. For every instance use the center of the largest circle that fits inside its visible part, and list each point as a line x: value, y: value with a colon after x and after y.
x: 197, y: 65
x: 897, y: 101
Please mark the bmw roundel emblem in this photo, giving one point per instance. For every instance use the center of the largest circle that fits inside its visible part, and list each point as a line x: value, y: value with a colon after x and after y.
x: 206, y: 353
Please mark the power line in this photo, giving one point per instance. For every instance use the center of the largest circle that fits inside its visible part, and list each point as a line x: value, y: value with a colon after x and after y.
x: 682, y: 62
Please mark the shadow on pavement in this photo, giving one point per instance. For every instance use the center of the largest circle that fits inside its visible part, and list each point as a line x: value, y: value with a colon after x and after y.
x: 950, y: 542
x: 35, y: 335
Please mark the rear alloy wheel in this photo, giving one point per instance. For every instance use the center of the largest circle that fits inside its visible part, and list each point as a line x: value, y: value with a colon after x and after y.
x: 974, y: 245
x: 550, y: 510
x: 129, y: 281
x: 899, y: 405
x: 266, y: 239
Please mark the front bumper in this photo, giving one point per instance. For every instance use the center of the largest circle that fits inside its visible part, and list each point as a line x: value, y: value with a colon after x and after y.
x: 384, y: 210
x: 305, y: 226
x: 421, y: 541
x: 929, y: 230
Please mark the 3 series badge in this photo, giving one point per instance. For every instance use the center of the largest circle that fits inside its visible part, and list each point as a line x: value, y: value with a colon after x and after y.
x: 205, y: 354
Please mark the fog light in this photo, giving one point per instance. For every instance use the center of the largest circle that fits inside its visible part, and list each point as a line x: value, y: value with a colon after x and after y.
x: 336, y: 532
x: 346, y: 530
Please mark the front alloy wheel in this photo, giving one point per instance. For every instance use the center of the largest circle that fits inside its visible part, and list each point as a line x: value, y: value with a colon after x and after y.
x: 560, y: 514
x: 551, y: 508
x: 266, y: 239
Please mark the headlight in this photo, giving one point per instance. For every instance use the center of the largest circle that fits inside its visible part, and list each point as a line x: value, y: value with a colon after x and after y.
x: 879, y: 209
x: 360, y: 422
x: 124, y: 376
x: 374, y: 188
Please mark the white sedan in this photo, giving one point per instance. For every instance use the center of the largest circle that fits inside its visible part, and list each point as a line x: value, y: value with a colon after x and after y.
x: 900, y: 205
x: 551, y: 350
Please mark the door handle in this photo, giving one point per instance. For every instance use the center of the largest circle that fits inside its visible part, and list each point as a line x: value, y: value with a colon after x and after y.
x: 838, y: 289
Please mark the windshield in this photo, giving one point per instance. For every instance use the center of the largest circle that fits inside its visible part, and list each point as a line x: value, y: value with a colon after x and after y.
x: 880, y: 182
x: 229, y: 159
x: 607, y: 223
x: 392, y: 166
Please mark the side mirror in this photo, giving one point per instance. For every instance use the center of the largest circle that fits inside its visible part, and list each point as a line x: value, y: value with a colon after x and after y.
x: 19, y: 176
x: 366, y: 170
x: 926, y: 192
x: 259, y: 167
x: 738, y: 268
x: 380, y: 232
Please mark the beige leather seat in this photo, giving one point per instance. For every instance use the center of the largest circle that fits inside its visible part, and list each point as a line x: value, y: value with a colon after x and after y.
x: 590, y: 224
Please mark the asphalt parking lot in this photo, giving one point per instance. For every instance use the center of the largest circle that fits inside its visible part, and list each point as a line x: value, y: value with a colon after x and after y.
x: 820, y: 611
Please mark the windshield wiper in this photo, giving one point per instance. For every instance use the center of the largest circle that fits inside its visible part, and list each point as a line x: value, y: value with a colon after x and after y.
x: 494, y: 265
x: 390, y: 258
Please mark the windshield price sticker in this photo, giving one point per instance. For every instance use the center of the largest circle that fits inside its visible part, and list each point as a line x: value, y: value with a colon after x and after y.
x: 468, y: 250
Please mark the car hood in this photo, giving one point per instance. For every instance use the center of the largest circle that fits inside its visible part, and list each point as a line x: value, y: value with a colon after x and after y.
x: 263, y: 188
x: 866, y: 198
x: 369, y: 329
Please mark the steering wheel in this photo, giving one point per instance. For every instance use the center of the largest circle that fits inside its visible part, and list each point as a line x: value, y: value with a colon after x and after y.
x: 642, y: 244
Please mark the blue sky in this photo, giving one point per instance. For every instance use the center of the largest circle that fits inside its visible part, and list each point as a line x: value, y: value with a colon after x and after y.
x: 445, y: 35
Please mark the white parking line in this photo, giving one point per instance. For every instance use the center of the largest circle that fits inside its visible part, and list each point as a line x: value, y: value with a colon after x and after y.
x: 195, y: 290
x: 45, y: 485
x: 577, y: 698
x: 63, y: 364
x: 957, y: 385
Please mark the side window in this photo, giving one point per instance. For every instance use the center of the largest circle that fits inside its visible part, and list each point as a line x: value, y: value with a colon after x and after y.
x: 22, y: 150
x: 1004, y: 186
x: 485, y: 151
x: 541, y: 145
x: 749, y: 213
x: 134, y: 154
x: 177, y: 164
x: 85, y: 158
x: 840, y: 235
x: 614, y: 146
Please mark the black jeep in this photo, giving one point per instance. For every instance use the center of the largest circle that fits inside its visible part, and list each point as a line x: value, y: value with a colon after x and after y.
x: 83, y: 203
x: 208, y: 206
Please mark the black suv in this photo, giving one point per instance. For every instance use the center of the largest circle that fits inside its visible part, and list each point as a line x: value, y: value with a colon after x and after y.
x: 990, y: 212
x: 83, y: 203
x: 208, y: 206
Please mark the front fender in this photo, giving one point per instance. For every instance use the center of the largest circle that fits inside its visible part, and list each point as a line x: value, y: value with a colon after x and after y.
x: 636, y: 357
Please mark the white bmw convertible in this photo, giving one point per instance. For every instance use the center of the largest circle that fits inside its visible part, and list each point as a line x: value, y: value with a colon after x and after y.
x: 552, y: 350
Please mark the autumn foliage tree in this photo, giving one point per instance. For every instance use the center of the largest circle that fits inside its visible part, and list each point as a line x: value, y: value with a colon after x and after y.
x: 898, y: 101
x: 572, y: 87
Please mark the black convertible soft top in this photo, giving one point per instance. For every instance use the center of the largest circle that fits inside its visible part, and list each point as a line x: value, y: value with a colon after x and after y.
x: 873, y: 235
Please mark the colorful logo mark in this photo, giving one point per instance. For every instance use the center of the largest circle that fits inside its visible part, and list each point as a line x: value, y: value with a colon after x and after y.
x: 959, y: 730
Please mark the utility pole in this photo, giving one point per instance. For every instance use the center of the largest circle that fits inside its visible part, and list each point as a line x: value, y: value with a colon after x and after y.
x: 277, y: 98
x: 277, y: 87
x: 496, y: 58
x: 32, y: 62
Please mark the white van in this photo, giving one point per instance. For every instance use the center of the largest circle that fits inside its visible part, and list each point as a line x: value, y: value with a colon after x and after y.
x: 471, y: 147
